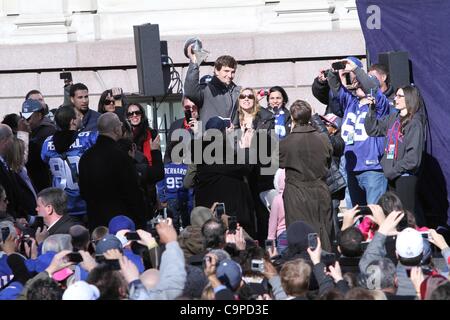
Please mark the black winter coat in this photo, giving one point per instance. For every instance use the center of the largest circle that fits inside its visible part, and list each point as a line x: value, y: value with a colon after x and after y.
x: 109, y: 184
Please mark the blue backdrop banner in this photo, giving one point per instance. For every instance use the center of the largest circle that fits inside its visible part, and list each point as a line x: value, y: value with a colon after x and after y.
x: 420, y: 27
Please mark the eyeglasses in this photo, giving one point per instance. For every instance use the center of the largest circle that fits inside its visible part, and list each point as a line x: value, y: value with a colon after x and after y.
x: 108, y: 102
x: 243, y: 96
x: 134, y: 113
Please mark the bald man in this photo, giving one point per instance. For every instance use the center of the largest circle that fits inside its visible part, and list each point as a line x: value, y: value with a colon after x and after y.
x: 108, y: 179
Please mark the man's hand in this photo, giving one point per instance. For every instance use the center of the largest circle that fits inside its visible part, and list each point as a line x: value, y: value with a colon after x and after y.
x: 88, y: 262
x: 156, y: 143
x: 41, y: 235
x: 349, y: 217
x: 389, y: 225
x: 166, y: 232
x: 23, y: 125
x: 350, y: 65
x: 322, y: 76
x: 112, y: 254
x: 146, y: 239
x: 191, y: 54
x: 416, y: 278
x: 335, y: 272
x: 437, y: 239
x: 129, y: 270
x: 377, y: 214
x: 58, y: 262
x: 237, y: 238
x: 269, y: 270
x: 315, y: 254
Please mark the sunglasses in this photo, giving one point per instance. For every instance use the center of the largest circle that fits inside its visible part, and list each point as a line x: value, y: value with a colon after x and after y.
x: 107, y: 102
x: 243, y: 96
x: 134, y: 113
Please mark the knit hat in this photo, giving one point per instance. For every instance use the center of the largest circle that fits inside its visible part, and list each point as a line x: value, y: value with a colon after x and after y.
x: 409, y: 243
x: 199, y: 215
x: 297, y: 234
x: 229, y: 274
x: 356, y: 61
x: 121, y: 223
x: 81, y: 290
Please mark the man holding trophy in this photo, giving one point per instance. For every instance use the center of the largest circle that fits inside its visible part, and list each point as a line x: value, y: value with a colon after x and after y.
x: 219, y: 96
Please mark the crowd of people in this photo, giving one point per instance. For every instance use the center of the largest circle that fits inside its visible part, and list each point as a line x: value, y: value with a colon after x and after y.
x: 90, y: 209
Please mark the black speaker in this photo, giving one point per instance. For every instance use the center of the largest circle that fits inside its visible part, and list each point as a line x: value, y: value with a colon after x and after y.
x: 397, y: 63
x: 153, y: 76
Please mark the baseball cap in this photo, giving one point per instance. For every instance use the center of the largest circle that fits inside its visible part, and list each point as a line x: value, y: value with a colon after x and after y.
x: 81, y: 290
x: 229, y: 273
x: 106, y: 243
x: 29, y: 106
x: 409, y: 243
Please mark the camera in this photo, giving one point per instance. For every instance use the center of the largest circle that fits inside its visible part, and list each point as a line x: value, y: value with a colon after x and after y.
x: 340, y: 65
x: 257, y: 265
x: 36, y: 222
x: 220, y: 209
x: 312, y: 241
x: 66, y: 76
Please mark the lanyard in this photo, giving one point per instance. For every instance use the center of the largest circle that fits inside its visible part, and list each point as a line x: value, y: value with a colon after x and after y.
x: 393, y: 137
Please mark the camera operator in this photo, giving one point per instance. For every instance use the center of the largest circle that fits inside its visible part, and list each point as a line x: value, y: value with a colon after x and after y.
x: 366, y: 182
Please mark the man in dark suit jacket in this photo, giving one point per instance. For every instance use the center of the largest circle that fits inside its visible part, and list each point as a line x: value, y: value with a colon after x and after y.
x: 52, y: 206
x: 108, y: 179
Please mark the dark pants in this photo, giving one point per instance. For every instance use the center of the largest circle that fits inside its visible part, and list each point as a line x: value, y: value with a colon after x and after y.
x: 405, y: 188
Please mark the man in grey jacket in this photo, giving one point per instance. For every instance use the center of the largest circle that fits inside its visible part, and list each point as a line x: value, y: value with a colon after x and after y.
x: 219, y: 97
x: 172, y: 268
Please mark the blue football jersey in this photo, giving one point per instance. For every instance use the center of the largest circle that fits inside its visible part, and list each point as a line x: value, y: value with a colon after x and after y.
x: 362, y: 153
x: 171, y: 187
x: 65, y: 169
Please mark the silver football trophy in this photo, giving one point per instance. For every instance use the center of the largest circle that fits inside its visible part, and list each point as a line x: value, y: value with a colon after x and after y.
x: 199, y: 52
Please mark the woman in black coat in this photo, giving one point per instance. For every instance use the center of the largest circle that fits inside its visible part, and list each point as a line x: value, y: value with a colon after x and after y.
x: 227, y: 183
x: 404, y: 131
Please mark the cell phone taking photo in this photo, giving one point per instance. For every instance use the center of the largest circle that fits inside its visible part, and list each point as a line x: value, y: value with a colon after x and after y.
x: 365, y: 211
x: 232, y: 224
x: 132, y: 236
x: 312, y: 241
x: 74, y: 257
x: 339, y: 65
x: 220, y: 210
x: 257, y: 265
x: 5, y: 233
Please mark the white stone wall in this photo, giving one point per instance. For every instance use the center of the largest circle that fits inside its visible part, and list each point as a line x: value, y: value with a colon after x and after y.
x: 40, y: 37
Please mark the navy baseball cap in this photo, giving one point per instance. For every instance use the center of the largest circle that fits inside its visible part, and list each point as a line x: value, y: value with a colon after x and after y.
x: 29, y: 106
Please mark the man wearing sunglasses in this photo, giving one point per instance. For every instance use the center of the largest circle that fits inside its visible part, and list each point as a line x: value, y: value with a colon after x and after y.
x: 219, y: 96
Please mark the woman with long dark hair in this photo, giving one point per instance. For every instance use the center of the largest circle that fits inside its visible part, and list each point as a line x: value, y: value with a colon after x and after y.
x: 143, y: 135
x: 276, y: 103
x: 404, y: 132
